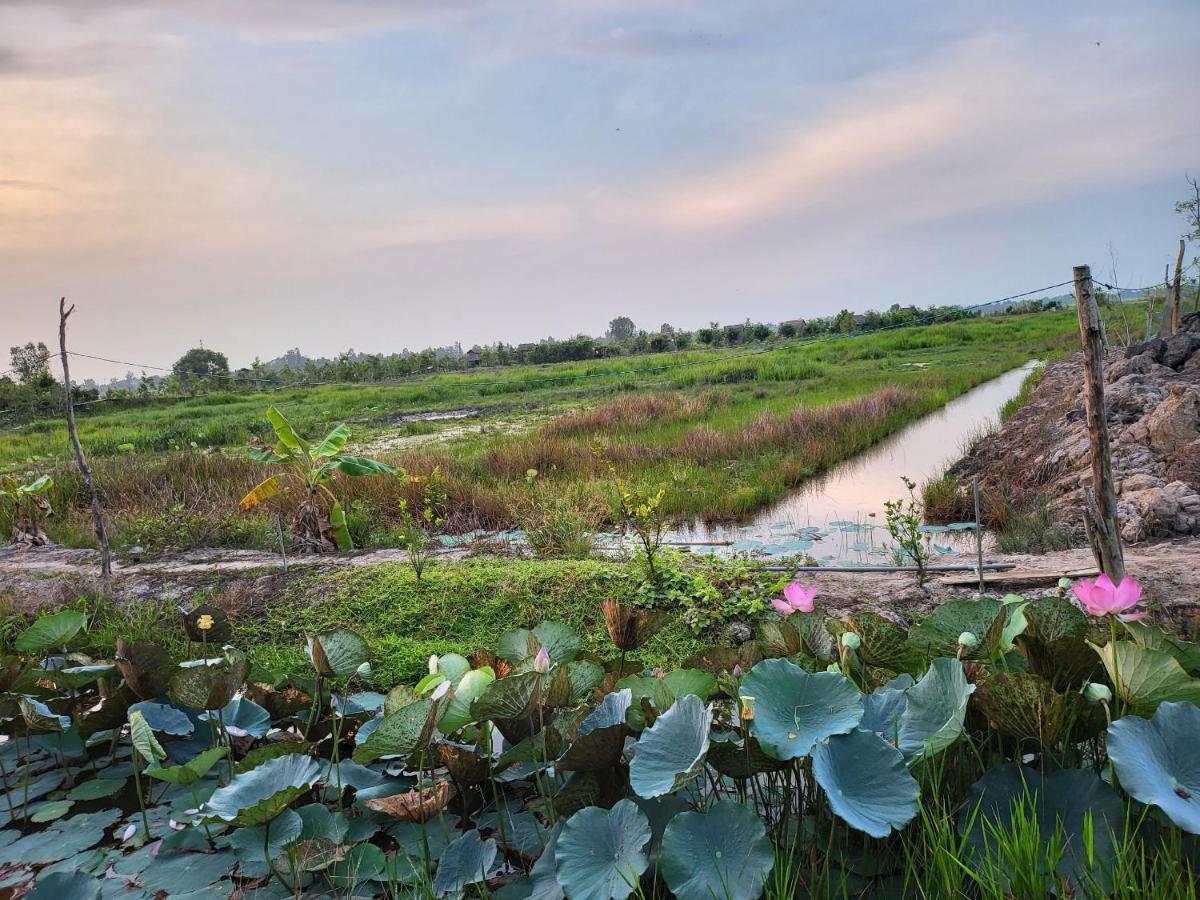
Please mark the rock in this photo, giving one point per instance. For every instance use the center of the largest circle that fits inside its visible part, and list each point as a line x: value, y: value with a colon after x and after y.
x: 1179, y: 348
x: 1141, y: 481
x: 1175, y: 422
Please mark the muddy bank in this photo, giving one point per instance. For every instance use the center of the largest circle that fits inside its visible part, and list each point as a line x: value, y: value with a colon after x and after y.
x: 246, y: 581
x: 1152, y: 392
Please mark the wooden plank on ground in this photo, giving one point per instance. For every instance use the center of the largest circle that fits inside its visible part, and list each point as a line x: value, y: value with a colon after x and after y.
x: 1019, y: 576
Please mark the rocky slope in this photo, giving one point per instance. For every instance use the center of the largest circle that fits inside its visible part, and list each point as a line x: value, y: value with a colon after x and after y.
x: 1153, y: 397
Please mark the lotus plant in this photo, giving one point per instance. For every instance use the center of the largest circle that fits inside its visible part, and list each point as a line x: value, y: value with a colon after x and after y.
x: 1103, y: 598
x: 796, y: 598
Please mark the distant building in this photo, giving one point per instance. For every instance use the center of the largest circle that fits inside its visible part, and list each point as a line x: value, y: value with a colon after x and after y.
x: 798, y: 324
x: 474, y: 356
x: 859, y: 320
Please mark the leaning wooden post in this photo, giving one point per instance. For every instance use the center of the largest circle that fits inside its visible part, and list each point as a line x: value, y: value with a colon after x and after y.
x: 1100, y: 513
x: 1177, y: 289
x: 80, y: 459
x: 978, y: 531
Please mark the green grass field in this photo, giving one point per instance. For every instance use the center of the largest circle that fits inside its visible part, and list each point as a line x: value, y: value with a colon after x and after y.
x: 728, y: 431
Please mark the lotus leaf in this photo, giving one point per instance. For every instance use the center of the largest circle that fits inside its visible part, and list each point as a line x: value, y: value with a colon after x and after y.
x: 795, y: 709
x: 600, y: 738
x: 337, y: 653
x: 147, y: 668
x: 241, y: 717
x: 934, y: 711
x: 1024, y: 706
x: 399, y: 734
x: 1157, y: 760
x: 600, y: 852
x: 209, y: 683
x: 465, y: 861
x: 164, y: 718
x: 65, y: 885
x: 867, y: 782
x: 938, y: 634
x: 50, y: 632
x: 1145, y: 677
x: 671, y: 752
x: 723, y: 852
x: 1067, y: 798
x: 258, y: 796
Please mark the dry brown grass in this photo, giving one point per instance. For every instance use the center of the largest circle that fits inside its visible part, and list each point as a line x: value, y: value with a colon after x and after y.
x: 635, y: 412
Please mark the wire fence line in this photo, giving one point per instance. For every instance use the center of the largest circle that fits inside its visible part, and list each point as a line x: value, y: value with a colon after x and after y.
x: 469, y: 380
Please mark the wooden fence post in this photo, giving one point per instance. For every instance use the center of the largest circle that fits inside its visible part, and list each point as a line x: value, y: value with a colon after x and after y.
x: 1100, y: 513
x: 80, y: 459
x: 1177, y: 289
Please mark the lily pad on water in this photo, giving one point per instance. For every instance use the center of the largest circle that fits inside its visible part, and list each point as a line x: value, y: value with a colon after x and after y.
x: 795, y: 709
x: 95, y: 789
x: 1157, y: 763
x: 671, y: 752
x: 258, y: 796
x: 466, y: 860
x: 722, y: 853
x: 63, y: 839
x: 600, y: 852
x: 1067, y: 799
x: 51, y: 810
x: 867, y: 782
x: 934, y: 712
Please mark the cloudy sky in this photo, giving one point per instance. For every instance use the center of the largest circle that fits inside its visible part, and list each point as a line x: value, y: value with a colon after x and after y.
x: 349, y: 173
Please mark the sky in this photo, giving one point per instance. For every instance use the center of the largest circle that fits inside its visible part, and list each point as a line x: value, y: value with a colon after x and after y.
x: 335, y: 174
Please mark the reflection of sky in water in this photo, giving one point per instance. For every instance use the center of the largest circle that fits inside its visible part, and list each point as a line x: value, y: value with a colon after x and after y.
x: 839, y: 516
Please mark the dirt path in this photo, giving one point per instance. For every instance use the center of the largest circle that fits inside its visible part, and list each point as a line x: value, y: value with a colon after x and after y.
x: 1169, y: 572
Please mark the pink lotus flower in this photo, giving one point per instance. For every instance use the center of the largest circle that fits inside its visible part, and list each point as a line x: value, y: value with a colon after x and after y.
x: 796, y: 598
x: 1102, y: 598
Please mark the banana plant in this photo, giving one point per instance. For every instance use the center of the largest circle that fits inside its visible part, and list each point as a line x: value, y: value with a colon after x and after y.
x: 309, y: 470
x: 27, y: 506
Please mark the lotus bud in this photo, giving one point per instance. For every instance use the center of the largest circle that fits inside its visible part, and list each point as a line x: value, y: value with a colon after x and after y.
x: 1097, y: 693
x: 541, y: 662
x: 433, y: 664
x: 850, y: 640
x: 737, y: 670
x: 968, y: 640
x: 833, y: 667
x: 747, y: 708
x: 1064, y: 584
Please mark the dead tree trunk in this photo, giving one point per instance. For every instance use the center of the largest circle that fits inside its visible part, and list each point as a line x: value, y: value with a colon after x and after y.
x: 1100, y: 514
x: 80, y: 459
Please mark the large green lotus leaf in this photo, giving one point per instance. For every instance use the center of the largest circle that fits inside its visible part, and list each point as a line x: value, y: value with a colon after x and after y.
x: 513, y: 697
x: 867, y: 782
x: 937, y: 635
x: 242, y: 717
x: 39, y: 717
x: 164, y: 718
x: 183, y: 873
x: 73, y: 678
x: 560, y: 641
x: 1146, y: 677
x: 453, y: 666
x: 50, y: 632
x: 1186, y: 652
x: 1024, y: 706
x: 110, y: 714
x: 469, y: 688
x: 883, y: 707
x: 1053, y: 643
x: 779, y: 637
x: 690, y: 681
x: 63, y: 839
x: 671, y: 752
x: 147, y: 668
x: 518, y: 645
x: 721, y: 853
x: 935, y: 710
x: 465, y: 861
x: 362, y: 862
x: 727, y: 754
x: 96, y: 789
x: 543, y: 877
x: 191, y: 771
x: 1158, y: 761
x: 571, y: 682
x: 1063, y: 799
x: 66, y: 885
x: 600, y: 738
x: 600, y: 853
x: 337, y: 653
x: 258, y: 796
x: 795, y: 709
x: 209, y: 684
x: 399, y: 734
x: 884, y: 644
x: 814, y: 632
